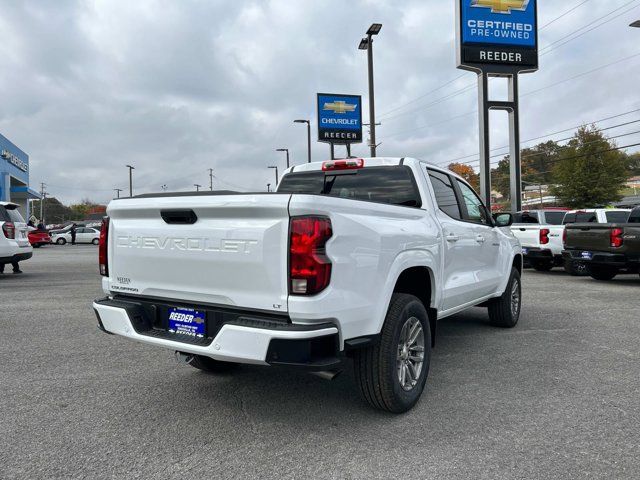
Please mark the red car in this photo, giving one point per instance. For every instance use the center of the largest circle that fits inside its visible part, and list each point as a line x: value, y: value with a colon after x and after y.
x: 37, y: 238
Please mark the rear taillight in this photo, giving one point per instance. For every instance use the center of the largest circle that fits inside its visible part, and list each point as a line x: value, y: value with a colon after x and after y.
x: 564, y: 237
x: 309, y: 266
x: 103, y: 257
x: 9, y: 230
x: 348, y: 164
x: 616, y: 237
x: 544, y: 236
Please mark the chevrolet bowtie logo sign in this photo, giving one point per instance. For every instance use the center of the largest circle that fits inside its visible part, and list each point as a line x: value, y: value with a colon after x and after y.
x: 501, y: 6
x: 339, y: 106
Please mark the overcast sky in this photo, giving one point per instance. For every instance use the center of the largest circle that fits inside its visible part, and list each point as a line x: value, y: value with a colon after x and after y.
x: 177, y: 87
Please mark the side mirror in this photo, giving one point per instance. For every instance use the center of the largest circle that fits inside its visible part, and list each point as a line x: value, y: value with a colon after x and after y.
x: 503, y: 219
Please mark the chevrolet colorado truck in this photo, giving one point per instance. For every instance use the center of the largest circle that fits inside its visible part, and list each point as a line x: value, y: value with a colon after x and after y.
x: 540, y: 234
x: 350, y: 261
x: 577, y: 266
x: 607, y: 249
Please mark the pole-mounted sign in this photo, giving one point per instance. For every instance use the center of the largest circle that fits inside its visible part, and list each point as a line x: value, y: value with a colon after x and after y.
x: 498, y: 38
x: 339, y: 119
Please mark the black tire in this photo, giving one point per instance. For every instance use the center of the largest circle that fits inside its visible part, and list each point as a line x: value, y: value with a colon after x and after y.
x: 61, y: 241
x: 36, y: 245
x: 502, y: 311
x: 576, y: 268
x: 95, y: 241
x: 598, y: 272
x: 210, y: 365
x: 378, y: 368
x: 542, y: 265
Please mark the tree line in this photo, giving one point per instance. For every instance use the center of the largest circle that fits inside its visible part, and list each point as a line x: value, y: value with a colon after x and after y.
x: 588, y: 171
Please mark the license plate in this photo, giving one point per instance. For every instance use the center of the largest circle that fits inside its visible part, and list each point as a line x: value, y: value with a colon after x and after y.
x: 187, y: 321
x: 587, y: 255
x: 525, y: 251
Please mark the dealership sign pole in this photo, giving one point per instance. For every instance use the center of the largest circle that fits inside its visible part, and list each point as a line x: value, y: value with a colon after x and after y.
x: 339, y: 120
x: 498, y: 38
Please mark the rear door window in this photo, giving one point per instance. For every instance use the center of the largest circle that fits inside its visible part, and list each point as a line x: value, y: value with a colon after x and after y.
x: 445, y: 194
x: 390, y: 185
x: 526, y: 217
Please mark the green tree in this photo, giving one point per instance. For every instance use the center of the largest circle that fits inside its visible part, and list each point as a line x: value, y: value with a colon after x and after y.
x: 589, y: 171
x: 634, y: 164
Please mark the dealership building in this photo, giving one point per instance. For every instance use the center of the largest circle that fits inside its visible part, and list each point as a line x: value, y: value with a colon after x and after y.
x: 14, y: 176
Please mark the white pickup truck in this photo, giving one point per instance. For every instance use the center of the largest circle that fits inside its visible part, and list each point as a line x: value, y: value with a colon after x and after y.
x: 540, y: 234
x: 349, y: 259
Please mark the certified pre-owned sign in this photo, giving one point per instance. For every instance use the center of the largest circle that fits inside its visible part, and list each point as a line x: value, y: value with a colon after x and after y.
x: 339, y: 118
x: 498, y: 32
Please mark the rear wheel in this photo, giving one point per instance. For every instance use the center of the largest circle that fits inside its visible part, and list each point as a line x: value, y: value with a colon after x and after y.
x: 61, y: 241
x: 392, y: 374
x: 210, y: 365
x: 542, y: 265
x: 95, y: 241
x: 504, y: 311
x: 602, y: 273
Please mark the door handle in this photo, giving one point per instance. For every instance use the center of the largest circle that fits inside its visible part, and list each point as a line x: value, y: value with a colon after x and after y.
x: 480, y: 239
x: 452, y: 237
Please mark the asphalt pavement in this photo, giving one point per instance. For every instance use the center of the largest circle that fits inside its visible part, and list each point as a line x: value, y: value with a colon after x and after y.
x: 556, y: 397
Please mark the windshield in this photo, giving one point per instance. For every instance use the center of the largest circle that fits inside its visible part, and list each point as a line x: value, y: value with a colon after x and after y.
x: 554, y: 218
x: 390, y: 185
x: 619, y: 216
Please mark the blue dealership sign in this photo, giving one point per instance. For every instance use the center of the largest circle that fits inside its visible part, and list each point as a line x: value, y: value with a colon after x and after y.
x: 498, y: 32
x: 339, y: 118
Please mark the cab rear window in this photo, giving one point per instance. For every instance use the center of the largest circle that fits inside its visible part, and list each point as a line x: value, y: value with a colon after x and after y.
x: 617, y: 217
x: 390, y: 185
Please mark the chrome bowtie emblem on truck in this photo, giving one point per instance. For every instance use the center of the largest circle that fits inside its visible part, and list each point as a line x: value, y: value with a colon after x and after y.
x: 340, y: 106
x: 501, y: 6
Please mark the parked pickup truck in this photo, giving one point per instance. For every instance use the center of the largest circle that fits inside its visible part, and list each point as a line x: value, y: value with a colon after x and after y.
x: 607, y: 249
x: 540, y: 234
x: 576, y: 266
x: 353, y: 258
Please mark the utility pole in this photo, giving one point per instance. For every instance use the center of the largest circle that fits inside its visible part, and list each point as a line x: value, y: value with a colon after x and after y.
x: 367, y: 44
x: 131, y: 169
x: 117, y: 190
x: 211, y: 179
x: 197, y: 187
x: 43, y: 195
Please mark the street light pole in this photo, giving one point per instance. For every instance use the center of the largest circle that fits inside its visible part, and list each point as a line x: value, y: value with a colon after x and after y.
x: 268, y: 187
x: 284, y: 150
x: 308, y: 122
x: 367, y: 44
x: 117, y: 190
x: 197, y: 187
x: 211, y: 179
x: 131, y: 169
x: 276, y: 168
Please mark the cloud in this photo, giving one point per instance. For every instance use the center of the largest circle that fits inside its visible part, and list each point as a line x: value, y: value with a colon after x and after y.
x: 175, y: 88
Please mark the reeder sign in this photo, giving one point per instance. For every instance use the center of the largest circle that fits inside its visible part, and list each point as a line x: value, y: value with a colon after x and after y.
x: 339, y: 118
x: 499, y: 33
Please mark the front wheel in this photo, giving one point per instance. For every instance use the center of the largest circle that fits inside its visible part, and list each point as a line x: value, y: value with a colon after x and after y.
x: 95, y: 241
x: 61, y: 241
x: 504, y: 311
x: 392, y: 374
x: 602, y: 273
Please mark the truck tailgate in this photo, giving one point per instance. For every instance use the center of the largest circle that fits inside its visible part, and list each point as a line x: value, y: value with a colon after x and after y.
x: 529, y: 235
x: 592, y: 237
x: 235, y: 253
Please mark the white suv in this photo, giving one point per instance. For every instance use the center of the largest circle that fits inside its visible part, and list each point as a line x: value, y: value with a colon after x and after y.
x: 14, y: 239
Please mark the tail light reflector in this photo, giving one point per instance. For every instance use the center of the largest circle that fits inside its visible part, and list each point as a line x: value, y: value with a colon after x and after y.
x: 309, y: 266
x: 9, y: 230
x: 103, y: 257
x: 564, y: 237
x: 544, y: 236
x: 616, y: 237
x: 347, y: 164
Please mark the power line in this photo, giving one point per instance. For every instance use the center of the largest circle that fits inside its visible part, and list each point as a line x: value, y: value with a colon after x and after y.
x: 558, y: 132
x: 563, y: 15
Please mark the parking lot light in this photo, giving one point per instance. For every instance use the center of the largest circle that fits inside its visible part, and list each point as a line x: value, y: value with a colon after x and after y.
x: 276, y: 168
x: 284, y: 150
x: 308, y: 122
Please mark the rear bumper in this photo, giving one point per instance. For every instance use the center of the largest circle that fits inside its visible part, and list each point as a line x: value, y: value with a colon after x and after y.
x: 235, y: 336
x: 601, y: 258
x: 533, y: 253
x: 18, y: 257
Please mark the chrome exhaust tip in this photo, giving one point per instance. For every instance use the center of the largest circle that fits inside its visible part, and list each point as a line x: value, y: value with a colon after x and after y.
x: 183, y: 358
x: 328, y: 374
